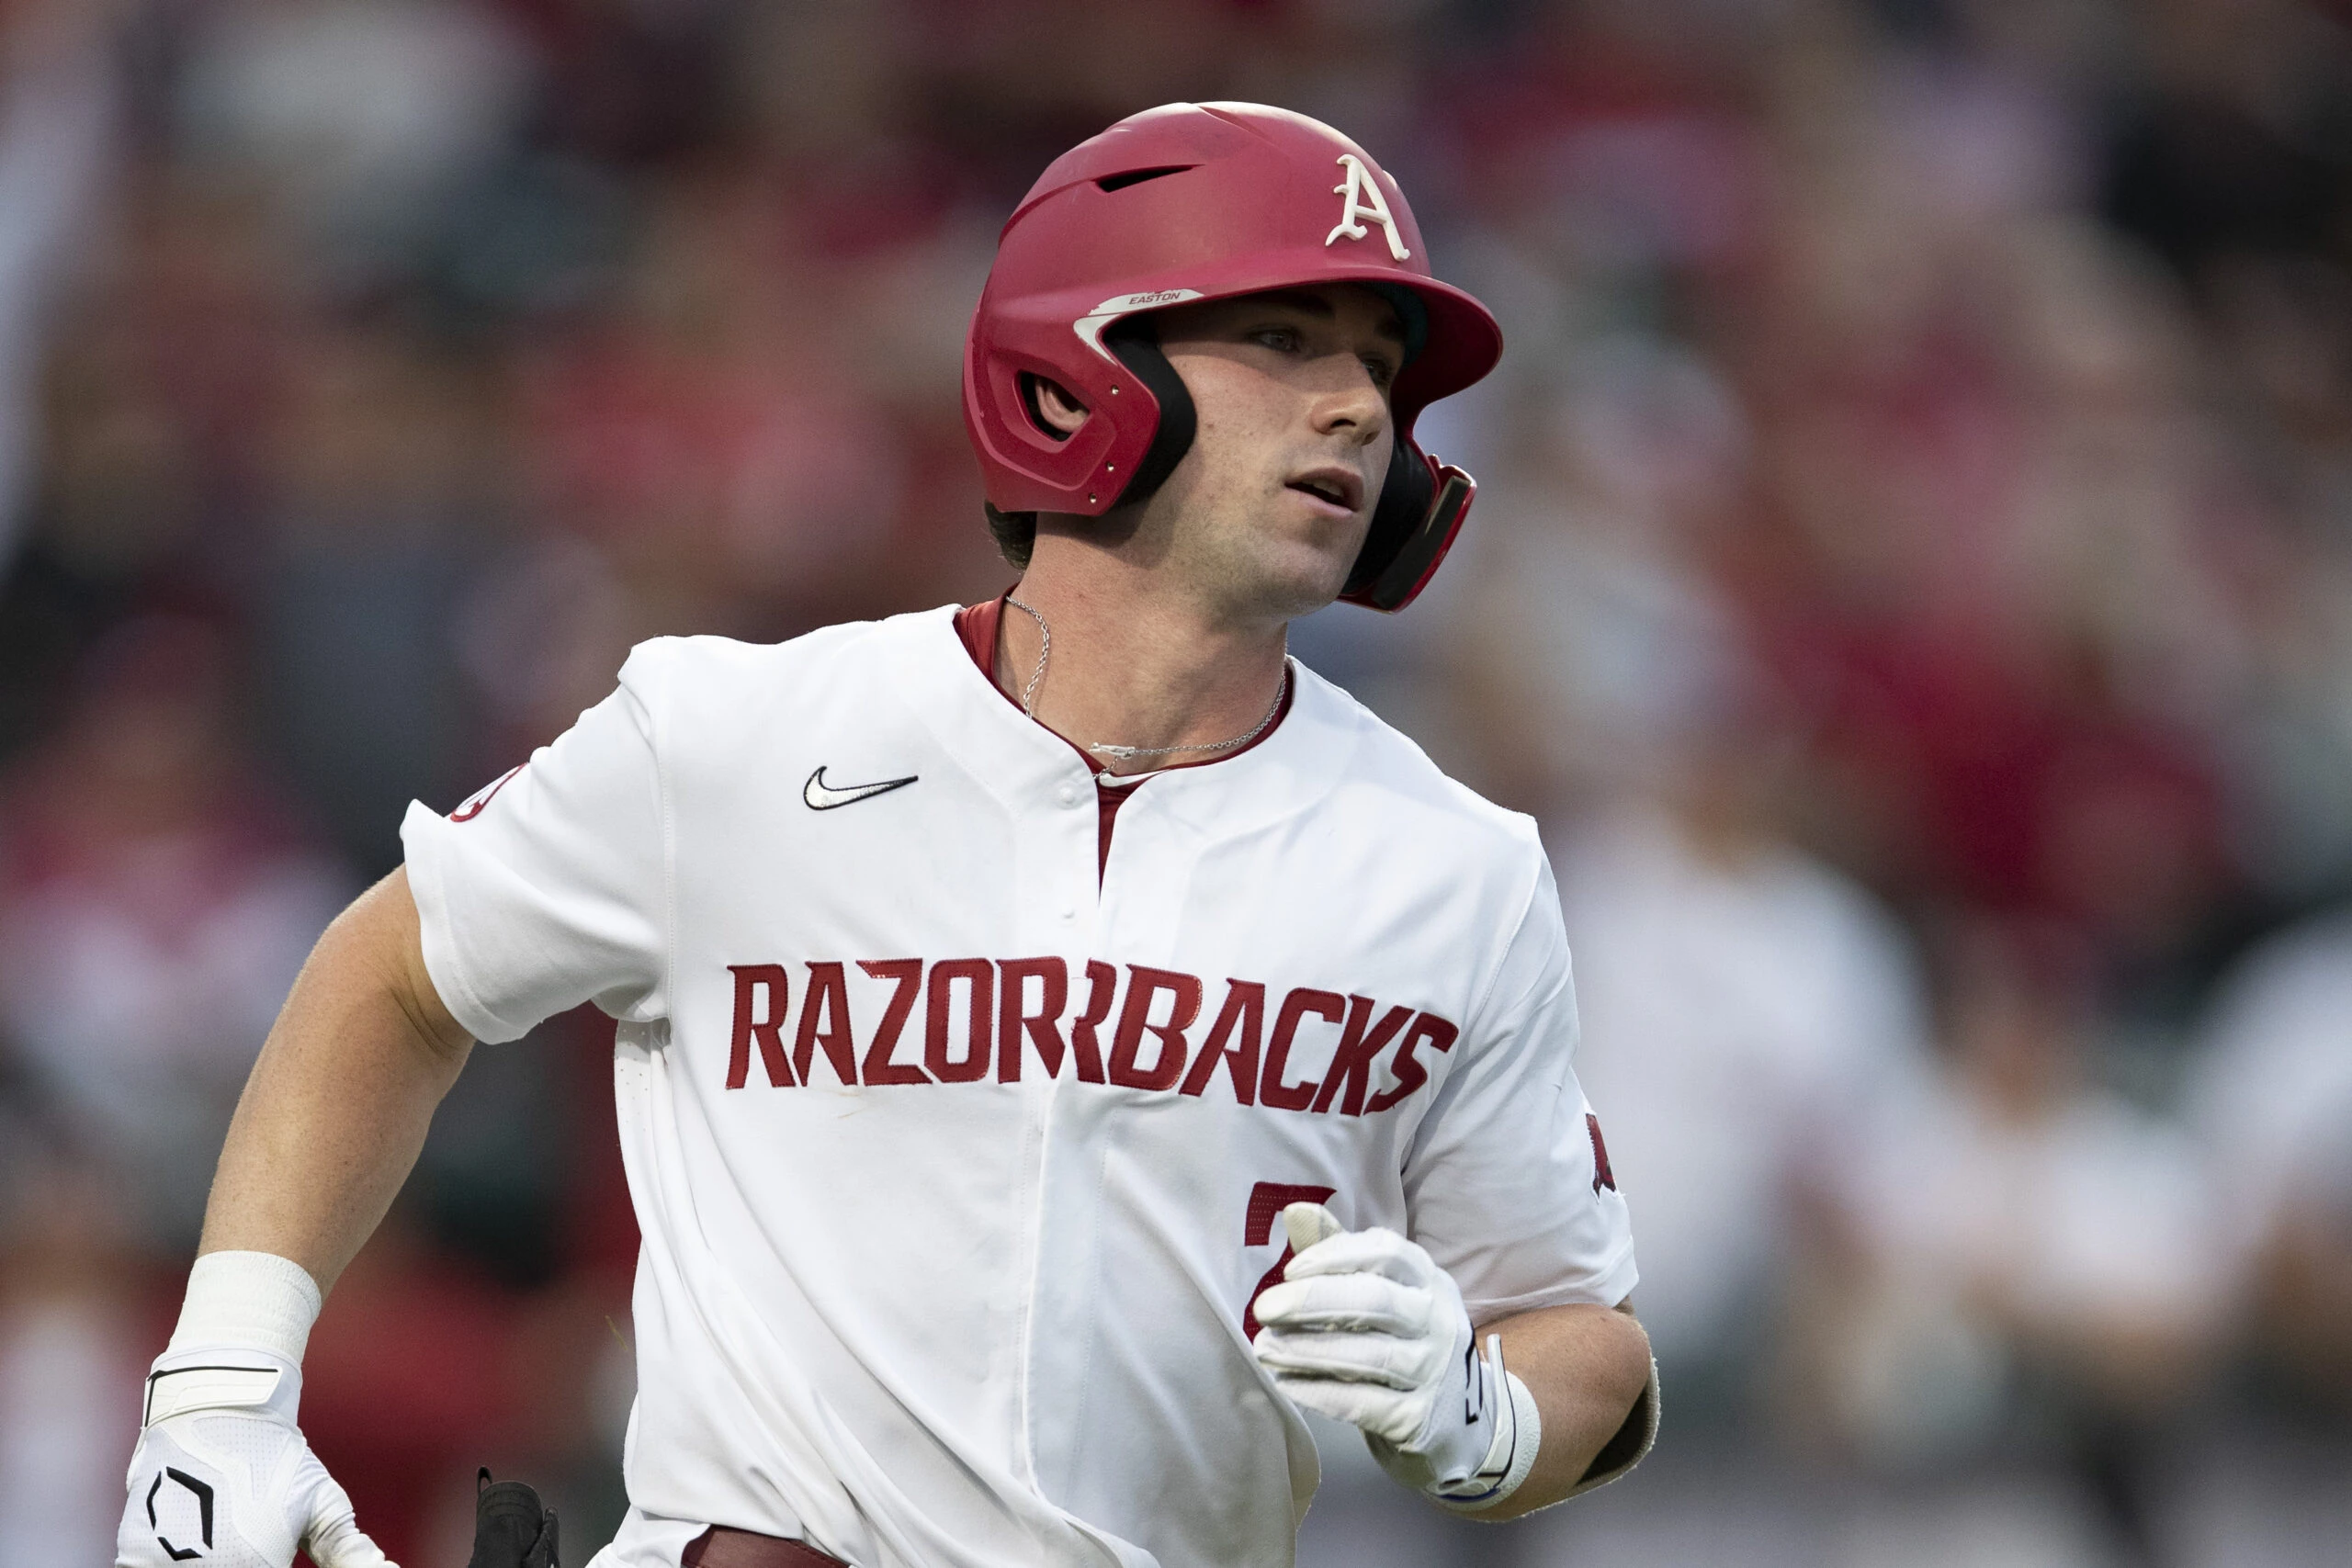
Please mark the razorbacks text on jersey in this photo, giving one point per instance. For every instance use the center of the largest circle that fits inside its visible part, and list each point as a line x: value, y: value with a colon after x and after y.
x: 957, y: 1138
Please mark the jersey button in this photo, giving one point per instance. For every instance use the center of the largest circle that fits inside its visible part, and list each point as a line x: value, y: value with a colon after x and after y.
x: 1066, y: 795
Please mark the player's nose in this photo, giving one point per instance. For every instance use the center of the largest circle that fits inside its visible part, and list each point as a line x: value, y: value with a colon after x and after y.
x: 1347, y: 401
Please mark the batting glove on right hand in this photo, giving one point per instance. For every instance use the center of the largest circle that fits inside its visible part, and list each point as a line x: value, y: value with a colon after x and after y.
x: 1366, y: 1328
x: 221, y: 1475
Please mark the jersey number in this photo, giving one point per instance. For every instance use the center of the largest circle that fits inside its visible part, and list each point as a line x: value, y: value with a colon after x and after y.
x: 1267, y: 1202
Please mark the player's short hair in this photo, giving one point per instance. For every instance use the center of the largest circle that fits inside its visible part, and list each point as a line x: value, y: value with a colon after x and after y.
x: 1015, y: 534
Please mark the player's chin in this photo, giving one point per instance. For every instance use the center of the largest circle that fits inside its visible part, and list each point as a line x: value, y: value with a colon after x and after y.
x: 1276, y: 562
x: 1294, y: 578
x: 1310, y: 548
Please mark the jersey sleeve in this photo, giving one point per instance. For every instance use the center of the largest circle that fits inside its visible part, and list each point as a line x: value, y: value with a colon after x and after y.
x: 548, y: 888
x: 1507, y: 1183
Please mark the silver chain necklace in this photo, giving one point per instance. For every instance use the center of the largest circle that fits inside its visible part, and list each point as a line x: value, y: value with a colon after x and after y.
x: 1045, y: 652
x: 1129, y: 753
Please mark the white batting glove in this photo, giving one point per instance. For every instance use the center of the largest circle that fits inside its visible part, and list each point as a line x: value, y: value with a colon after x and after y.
x: 221, y: 1475
x: 1366, y: 1328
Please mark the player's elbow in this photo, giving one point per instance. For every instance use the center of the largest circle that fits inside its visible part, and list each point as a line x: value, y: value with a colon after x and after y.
x: 1588, y: 1369
x: 1618, y: 1395
x: 1625, y: 1373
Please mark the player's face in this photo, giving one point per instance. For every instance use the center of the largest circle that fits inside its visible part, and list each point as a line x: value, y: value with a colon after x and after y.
x: 1268, y: 509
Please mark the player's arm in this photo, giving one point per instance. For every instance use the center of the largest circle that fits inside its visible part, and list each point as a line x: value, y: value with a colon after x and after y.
x: 1588, y: 1368
x: 337, y: 1109
x: 329, y: 1125
x: 1508, y: 1179
x: 1494, y: 1423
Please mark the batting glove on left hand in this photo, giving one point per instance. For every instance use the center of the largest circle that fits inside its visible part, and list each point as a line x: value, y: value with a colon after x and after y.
x: 1366, y: 1328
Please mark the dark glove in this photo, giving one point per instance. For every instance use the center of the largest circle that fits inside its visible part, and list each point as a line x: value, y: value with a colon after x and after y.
x: 511, y: 1527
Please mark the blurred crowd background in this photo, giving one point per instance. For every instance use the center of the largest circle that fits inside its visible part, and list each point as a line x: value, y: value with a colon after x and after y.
x: 1912, y: 584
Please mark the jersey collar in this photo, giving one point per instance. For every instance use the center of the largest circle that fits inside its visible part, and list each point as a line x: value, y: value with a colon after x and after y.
x: 977, y: 627
x: 1022, y: 762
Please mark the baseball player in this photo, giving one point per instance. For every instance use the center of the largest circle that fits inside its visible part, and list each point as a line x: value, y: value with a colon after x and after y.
x: 1058, y: 1039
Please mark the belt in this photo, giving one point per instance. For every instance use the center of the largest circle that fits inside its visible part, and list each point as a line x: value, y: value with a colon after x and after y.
x: 719, y: 1546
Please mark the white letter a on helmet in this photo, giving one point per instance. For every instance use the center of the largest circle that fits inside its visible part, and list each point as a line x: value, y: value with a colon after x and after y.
x: 1361, y: 198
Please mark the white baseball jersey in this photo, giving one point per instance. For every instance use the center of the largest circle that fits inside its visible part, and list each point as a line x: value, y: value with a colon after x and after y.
x: 958, y: 1155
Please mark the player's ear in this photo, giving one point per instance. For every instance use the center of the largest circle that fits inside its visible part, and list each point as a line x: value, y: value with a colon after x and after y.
x: 1058, y: 412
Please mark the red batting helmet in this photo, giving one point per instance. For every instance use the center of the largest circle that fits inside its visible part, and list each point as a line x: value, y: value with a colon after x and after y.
x: 1206, y: 201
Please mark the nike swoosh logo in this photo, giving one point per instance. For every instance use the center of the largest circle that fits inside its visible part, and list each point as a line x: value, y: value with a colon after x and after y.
x: 823, y: 796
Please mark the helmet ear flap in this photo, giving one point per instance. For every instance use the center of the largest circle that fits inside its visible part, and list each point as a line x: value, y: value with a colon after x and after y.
x: 1422, y: 503
x: 1404, y: 494
x: 1135, y: 344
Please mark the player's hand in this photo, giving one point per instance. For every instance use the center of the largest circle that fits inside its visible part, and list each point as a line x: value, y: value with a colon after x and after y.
x: 221, y: 1475
x: 1366, y: 1328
